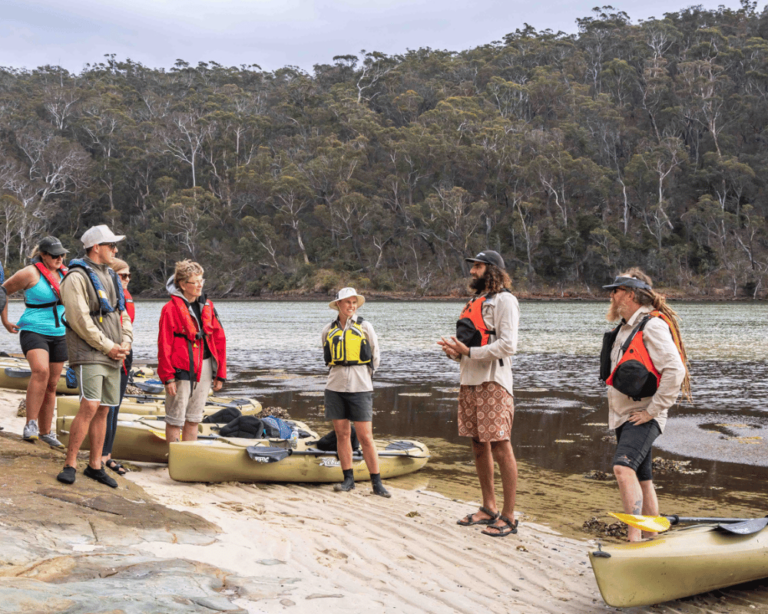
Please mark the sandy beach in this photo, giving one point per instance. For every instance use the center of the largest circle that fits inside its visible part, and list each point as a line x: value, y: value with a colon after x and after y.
x: 305, y: 548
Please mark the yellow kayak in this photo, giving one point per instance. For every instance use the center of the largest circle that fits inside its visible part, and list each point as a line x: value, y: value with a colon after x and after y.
x: 229, y: 459
x: 138, y: 438
x: 678, y: 564
x: 153, y: 405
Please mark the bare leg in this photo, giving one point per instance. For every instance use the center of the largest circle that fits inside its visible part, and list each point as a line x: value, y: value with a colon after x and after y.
x: 172, y: 433
x: 485, y: 471
x: 38, y: 384
x: 190, y: 431
x: 650, y: 502
x: 365, y: 435
x: 79, y: 428
x: 343, y: 430
x: 96, y: 433
x: 505, y: 457
x: 45, y: 420
x: 631, y: 496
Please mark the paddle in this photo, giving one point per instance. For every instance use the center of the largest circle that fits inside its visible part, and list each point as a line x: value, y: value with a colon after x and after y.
x: 659, y: 524
x: 253, y: 452
x: 151, y: 398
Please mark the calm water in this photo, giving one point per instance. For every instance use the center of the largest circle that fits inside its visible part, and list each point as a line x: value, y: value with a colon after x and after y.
x: 561, y: 414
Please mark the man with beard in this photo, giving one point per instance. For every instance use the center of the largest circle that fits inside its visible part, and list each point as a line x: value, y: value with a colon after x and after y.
x: 486, y: 339
x: 643, y: 362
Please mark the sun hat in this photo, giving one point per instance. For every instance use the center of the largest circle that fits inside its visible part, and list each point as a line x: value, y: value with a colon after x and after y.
x: 99, y: 234
x: 627, y: 282
x: 488, y: 257
x: 346, y: 293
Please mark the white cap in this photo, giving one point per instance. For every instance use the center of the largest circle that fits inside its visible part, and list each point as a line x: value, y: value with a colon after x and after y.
x: 346, y: 293
x: 99, y: 234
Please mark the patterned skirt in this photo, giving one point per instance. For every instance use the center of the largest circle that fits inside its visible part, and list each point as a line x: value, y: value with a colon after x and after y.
x: 486, y: 412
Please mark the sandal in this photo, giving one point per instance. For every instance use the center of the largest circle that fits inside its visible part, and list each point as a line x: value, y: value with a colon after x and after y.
x: 468, y: 522
x: 502, y: 531
x: 116, y: 467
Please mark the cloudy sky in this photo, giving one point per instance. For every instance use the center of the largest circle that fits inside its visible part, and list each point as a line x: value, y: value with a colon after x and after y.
x: 275, y: 33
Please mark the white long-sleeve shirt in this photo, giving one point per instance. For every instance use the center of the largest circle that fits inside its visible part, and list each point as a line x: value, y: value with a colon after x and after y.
x: 666, y: 359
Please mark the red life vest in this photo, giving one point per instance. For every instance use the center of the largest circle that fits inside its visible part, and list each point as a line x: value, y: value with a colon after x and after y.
x: 53, y: 280
x: 471, y: 329
x: 129, y: 306
x: 634, y: 374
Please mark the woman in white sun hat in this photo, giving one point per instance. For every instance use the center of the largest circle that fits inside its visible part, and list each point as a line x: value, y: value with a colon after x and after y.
x: 351, y: 351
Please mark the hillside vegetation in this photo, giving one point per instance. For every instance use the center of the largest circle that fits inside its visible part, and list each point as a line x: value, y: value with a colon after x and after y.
x: 572, y: 155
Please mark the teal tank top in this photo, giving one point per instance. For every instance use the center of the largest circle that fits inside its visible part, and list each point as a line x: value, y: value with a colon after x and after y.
x: 41, y: 321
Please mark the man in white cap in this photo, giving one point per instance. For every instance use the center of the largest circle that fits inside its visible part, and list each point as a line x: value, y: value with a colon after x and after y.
x: 99, y: 337
x: 351, y: 351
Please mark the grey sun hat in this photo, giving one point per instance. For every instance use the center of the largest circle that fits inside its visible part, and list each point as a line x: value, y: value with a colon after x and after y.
x: 99, y: 234
x: 488, y: 257
x: 347, y: 293
x: 627, y: 282
x: 52, y: 246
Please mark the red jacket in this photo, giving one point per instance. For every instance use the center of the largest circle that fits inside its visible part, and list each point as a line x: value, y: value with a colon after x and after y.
x: 180, y: 344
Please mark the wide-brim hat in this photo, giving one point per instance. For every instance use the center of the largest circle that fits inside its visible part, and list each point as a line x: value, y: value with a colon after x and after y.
x: 347, y: 293
x: 627, y: 282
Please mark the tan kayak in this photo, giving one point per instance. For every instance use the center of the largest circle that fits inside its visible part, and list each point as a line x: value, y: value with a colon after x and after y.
x: 138, y: 438
x: 15, y: 374
x: 228, y: 459
x: 152, y: 405
x: 678, y: 564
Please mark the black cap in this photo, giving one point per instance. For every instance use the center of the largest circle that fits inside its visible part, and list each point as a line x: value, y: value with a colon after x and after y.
x: 52, y: 246
x: 627, y: 282
x: 488, y: 257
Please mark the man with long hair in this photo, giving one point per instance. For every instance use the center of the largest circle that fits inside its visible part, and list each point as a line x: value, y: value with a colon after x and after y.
x: 486, y: 339
x: 645, y: 366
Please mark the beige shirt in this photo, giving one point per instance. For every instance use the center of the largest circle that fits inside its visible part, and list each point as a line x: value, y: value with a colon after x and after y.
x: 666, y: 358
x: 493, y: 362
x: 357, y: 378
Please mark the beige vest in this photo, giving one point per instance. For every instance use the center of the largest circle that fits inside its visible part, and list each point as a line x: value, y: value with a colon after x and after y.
x: 79, y: 351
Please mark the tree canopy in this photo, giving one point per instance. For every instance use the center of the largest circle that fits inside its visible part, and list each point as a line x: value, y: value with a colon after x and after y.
x: 573, y: 155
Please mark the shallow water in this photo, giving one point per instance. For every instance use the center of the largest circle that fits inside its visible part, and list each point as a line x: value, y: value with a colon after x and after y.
x: 561, y: 413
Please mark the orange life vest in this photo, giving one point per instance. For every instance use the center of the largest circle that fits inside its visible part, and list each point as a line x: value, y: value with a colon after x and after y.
x: 471, y: 329
x: 635, y: 374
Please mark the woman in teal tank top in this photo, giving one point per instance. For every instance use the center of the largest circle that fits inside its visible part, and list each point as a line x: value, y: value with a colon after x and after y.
x: 42, y: 334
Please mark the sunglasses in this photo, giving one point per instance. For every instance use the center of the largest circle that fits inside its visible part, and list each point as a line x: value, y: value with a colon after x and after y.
x: 125, y: 276
x: 195, y: 283
x: 112, y: 246
x: 615, y: 290
x: 54, y: 257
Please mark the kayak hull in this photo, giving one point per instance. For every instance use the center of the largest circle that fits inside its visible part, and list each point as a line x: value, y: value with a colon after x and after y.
x: 16, y: 377
x: 155, y: 406
x: 227, y: 460
x: 679, y: 564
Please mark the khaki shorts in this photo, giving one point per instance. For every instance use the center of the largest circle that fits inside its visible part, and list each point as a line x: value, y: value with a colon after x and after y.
x: 100, y: 383
x: 188, y: 403
x: 486, y: 412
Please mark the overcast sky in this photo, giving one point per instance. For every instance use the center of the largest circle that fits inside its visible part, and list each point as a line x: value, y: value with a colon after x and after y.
x: 275, y: 33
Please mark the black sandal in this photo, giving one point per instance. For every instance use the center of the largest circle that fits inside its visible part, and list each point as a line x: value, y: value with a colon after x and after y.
x: 113, y: 465
x: 502, y: 531
x: 468, y: 522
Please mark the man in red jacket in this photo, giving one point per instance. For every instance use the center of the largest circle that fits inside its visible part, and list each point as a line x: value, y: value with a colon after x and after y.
x: 192, y: 351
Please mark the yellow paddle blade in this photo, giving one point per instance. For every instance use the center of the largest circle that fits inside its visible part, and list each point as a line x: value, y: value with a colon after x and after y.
x: 652, y: 524
x: 156, y: 433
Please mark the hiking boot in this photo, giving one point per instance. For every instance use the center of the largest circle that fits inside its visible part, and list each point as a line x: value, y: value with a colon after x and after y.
x: 31, y: 431
x: 348, y: 483
x: 51, y: 440
x: 67, y: 475
x: 378, y: 487
x: 100, y: 476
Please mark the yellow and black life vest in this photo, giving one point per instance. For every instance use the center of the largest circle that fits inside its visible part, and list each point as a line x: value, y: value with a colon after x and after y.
x: 347, y: 347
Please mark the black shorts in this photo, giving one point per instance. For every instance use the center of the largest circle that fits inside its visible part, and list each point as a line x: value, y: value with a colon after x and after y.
x: 354, y: 406
x: 55, y: 346
x: 634, y: 447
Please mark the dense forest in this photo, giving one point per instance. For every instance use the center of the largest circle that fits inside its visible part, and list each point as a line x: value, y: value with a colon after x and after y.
x: 573, y: 155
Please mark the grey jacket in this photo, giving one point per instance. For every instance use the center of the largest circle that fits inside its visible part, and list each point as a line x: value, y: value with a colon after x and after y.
x: 89, y: 337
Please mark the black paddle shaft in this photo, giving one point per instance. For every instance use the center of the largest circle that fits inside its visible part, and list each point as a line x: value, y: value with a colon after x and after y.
x: 674, y: 519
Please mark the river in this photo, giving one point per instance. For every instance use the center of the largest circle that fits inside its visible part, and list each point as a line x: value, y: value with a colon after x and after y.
x: 560, y: 430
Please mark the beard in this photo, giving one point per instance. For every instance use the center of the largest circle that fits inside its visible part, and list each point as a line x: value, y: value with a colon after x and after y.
x: 613, y: 314
x: 478, y: 285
